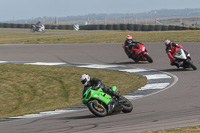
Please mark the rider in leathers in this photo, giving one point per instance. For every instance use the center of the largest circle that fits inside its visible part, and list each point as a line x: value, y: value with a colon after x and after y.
x: 171, y: 49
x: 129, y: 44
x: 96, y: 83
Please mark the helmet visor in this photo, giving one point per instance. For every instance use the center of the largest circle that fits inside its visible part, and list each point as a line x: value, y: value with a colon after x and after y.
x: 129, y: 40
x: 84, y: 81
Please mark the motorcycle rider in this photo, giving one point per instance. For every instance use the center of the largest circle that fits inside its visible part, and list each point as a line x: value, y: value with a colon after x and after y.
x: 96, y: 83
x: 38, y: 24
x: 129, y: 44
x: 171, y: 49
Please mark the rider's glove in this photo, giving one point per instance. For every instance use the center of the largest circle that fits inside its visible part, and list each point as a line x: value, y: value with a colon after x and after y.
x: 174, y: 59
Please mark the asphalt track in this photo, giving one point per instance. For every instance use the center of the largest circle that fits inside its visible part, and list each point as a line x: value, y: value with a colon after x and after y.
x: 175, y: 107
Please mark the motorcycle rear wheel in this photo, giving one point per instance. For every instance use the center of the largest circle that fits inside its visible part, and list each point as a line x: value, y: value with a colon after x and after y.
x: 127, y: 106
x: 149, y: 59
x: 99, y: 110
x: 32, y: 30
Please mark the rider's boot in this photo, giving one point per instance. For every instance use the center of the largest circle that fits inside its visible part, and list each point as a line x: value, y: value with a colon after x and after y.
x: 175, y: 64
x: 114, y: 93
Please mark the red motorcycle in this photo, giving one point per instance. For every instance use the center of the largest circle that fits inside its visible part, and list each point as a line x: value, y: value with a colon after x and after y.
x: 138, y: 52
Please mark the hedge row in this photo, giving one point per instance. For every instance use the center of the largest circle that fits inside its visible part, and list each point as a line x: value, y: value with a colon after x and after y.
x: 137, y: 27
x: 131, y: 27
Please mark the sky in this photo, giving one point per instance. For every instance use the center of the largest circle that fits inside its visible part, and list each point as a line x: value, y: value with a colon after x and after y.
x: 28, y: 9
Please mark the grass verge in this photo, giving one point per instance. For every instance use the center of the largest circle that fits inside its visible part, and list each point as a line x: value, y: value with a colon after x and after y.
x: 97, y: 37
x: 194, y: 129
x: 28, y: 89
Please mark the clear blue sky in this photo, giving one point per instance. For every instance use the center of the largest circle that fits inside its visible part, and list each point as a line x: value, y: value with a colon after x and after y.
x: 26, y: 9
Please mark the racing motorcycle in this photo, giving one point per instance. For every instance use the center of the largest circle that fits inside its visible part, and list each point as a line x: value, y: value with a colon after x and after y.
x: 141, y: 53
x: 183, y: 59
x: 38, y: 28
x: 102, y: 104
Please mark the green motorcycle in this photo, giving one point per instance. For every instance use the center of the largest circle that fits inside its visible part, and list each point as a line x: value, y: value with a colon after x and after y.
x: 102, y: 104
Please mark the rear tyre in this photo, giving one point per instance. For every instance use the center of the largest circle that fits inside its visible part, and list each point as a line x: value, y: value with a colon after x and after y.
x: 149, y: 59
x: 98, y: 110
x: 127, y: 105
x: 32, y: 30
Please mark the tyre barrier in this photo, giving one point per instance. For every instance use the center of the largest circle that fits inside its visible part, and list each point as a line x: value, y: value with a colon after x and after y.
x: 61, y: 27
x: 69, y: 27
x: 192, y: 28
x: 151, y: 28
x: 102, y: 27
x: 185, y: 28
x: 145, y: 27
x: 171, y: 27
x: 116, y: 27
x: 27, y: 26
x: 20, y: 25
x: 1, y: 25
x: 123, y: 26
x: 6, y: 25
x: 164, y: 27
x: 198, y: 28
x: 137, y: 27
x: 109, y: 27
x: 54, y: 27
x: 13, y: 26
x: 178, y: 27
x: 48, y: 26
x: 130, y: 27
x: 158, y: 27
x: 94, y: 27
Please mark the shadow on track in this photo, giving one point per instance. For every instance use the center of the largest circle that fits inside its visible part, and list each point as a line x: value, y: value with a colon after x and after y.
x: 78, y: 117
x: 127, y: 63
x: 176, y: 70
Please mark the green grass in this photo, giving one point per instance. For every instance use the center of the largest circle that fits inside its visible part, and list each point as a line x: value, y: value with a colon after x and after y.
x: 28, y: 89
x: 97, y: 37
x: 194, y: 129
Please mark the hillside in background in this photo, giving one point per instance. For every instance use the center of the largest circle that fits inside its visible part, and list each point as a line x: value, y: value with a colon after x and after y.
x: 164, y: 16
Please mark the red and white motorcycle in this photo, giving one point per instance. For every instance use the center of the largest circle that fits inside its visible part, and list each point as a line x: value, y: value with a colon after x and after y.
x: 183, y: 59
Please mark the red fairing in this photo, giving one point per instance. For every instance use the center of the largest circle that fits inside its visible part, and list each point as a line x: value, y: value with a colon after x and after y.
x: 123, y: 45
x: 139, y: 52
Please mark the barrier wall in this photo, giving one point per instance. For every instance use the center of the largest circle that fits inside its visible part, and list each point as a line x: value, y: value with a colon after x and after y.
x: 123, y: 27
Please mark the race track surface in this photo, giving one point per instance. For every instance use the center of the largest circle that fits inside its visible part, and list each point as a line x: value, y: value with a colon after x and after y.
x: 175, y: 107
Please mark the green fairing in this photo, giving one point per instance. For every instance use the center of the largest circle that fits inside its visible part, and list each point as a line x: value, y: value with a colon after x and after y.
x: 96, y: 94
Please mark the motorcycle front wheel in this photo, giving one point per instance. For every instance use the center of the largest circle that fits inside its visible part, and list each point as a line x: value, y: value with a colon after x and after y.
x: 149, y: 59
x: 192, y: 65
x: 97, y: 109
x: 127, y: 105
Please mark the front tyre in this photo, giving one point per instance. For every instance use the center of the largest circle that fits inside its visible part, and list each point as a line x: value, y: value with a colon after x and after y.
x: 97, y: 109
x: 149, y: 59
x: 192, y: 65
x: 127, y: 105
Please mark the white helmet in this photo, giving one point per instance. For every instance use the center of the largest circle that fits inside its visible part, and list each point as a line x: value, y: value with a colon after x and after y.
x: 167, y: 42
x: 129, y: 38
x: 85, y: 79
